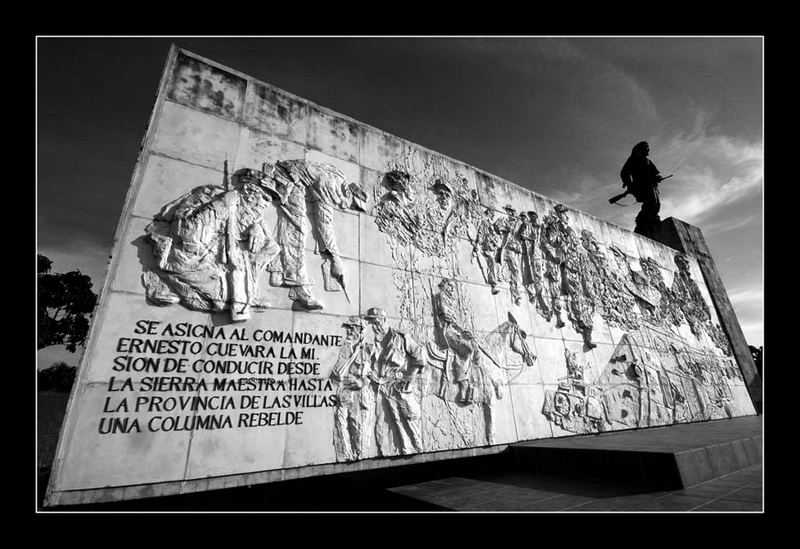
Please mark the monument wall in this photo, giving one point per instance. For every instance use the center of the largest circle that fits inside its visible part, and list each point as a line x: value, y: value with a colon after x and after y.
x: 293, y: 292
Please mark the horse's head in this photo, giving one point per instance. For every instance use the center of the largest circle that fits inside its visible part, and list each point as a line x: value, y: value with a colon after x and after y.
x: 518, y: 341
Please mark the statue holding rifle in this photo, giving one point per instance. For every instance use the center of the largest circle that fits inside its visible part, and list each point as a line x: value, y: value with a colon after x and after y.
x: 640, y: 177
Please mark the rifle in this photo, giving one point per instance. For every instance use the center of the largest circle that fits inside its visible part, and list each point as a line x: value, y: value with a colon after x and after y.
x: 614, y: 199
x: 340, y: 369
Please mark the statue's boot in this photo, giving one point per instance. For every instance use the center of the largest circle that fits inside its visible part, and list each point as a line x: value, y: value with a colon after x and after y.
x: 303, y: 295
x: 240, y: 312
x: 260, y: 303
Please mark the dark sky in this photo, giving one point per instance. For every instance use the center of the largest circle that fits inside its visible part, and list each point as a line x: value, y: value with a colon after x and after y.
x: 557, y: 115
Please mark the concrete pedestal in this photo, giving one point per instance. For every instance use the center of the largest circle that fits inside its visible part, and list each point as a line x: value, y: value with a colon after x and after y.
x: 675, y: 456
x: 689, y: 239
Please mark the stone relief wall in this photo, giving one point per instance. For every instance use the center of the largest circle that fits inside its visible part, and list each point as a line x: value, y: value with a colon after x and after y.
x: 565, y: 277
x: 212, y: 245
x: 292, y: 289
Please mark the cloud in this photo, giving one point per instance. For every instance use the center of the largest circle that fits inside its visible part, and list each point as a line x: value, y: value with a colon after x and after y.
x: 729, y: 225
x: 589, y: 194
x: 605, y: 86
x: 83, y: 254
x: 607, y: 83
x: 748, y: 304
x: 753, y: 333
x: 712, y: 172
x: 747, y: 296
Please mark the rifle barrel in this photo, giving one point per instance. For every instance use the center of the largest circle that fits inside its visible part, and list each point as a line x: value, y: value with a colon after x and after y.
x: 614, y: 199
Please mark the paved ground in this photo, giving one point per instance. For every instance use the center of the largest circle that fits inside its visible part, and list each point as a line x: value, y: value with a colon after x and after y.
x: 670, y: 438
x: 521, y: 491
x: 51, y: 406
x: 532, y: 487
x: 676, y: 456
x: 498, y: 482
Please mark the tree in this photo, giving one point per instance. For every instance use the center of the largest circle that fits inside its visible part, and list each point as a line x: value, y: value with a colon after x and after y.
x: 758, y: 357
x: 66, y: 302
x: 58, y: 377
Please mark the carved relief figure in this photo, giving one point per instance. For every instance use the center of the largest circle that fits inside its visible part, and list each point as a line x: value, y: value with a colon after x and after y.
x: 442, y: 216
x: 596, y: 411
x: 462, y: 210
x: 687, y: 298
x: 355, y: 394
x: 561, y: 271
x: 490, y: 370
x: 532, y: 261
x: 554, y: 244
x: 397, y: 361
x: 510, y: 250
x: 612, y: 297
x: 642, y: 387
x: 250, y: 246
x: 564, y: 407
x: 577, y: 286
x: 211, y: 246
x: 456, y: 340
x: 431, y: 224
x: 576, y: 405
x: 394, y: 211
x: 474, y: 365
x: 574, y: 367
x: 651, y: 292
x: 485, y: 249
x: 306, y: 187
x: 479, y: 370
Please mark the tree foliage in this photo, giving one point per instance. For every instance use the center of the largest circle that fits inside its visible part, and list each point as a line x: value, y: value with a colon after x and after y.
x: 758, y: 357
x: 66, y: 302
x: 58, y: 377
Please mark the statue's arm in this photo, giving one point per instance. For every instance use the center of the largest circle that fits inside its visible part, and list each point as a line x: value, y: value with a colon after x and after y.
x: 416, y: 354
x: 656, y: 175
x: 625, y: 174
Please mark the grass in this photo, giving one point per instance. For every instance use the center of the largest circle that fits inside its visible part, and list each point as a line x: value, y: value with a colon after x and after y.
x: 51, y: 408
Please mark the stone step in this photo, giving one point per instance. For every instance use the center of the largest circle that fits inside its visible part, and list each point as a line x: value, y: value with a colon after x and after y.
x: 509, y: 491
x: 675, y: 456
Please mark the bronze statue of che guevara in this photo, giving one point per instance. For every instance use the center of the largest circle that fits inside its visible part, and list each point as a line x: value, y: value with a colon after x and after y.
x: 640, y: 177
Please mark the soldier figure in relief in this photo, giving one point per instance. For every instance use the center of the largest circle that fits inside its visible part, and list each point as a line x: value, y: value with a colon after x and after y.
x: 486, y: 246
x: 686, y: 298
x: 566, y: 262
x: 555, y: 247
x: 451, y: 209
x: 306, y: 187
x: 354, y: 395
x: 577, y: 286
x: 393, y: 211
x: 508, y: 254
x: 212, y: 245
x: 250, y: 245
x: 532, y: 268
x: 396, y: 364
x: 452, y: 336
